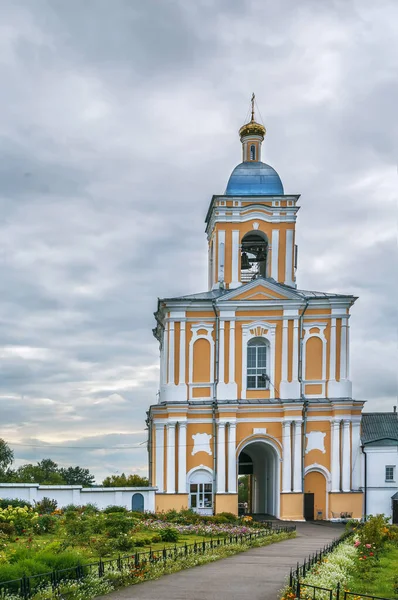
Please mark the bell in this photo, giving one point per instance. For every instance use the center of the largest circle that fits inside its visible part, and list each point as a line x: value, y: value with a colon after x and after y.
x: 245, y: 264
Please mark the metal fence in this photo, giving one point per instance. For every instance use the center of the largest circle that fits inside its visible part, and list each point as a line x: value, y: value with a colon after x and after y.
x: 308, y: 591
x: 27, y: 586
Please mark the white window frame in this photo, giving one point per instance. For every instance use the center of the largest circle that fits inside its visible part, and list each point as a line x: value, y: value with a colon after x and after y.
x: 261, y: 343
x: 390, y: 479
x: 267, y: 332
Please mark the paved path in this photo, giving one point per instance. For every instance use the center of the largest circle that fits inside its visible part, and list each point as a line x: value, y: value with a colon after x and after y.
x: 257, y: 574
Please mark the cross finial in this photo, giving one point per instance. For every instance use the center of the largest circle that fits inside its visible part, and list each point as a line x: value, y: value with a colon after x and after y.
x: 252, y: 101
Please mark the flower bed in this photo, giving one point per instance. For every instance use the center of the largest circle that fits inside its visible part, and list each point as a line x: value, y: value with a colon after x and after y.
x: 209, y: 529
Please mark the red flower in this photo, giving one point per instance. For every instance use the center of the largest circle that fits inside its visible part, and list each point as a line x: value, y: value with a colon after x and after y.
x: 371, y: 554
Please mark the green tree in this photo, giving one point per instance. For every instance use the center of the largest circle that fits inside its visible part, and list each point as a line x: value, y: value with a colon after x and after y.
x: 6, y: 460
x: 44, y: 472
x: 243, y: 488
x: 123, y: 481
x: 77, y: 476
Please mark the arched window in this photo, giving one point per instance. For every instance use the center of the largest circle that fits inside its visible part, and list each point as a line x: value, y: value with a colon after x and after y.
x: 257, y: 378
x: 252, y: 152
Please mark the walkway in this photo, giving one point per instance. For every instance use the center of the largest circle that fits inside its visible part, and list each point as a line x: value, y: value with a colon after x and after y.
x: 257, y: 574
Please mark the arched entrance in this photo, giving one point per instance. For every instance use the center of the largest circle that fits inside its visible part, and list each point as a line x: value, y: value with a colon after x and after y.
x: 315, y: 493
x: 137, y: 502
x: 259, y: 460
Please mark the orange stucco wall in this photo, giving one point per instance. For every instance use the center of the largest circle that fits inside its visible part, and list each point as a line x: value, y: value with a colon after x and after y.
x: 315, y: 483
x: 226, y: 503
x: 166, y: 502
x: 292, y: 507
x: 346, y: 502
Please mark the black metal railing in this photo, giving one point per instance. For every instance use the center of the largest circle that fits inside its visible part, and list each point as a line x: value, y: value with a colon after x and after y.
x: 27, y: 585
x: 306, y: 591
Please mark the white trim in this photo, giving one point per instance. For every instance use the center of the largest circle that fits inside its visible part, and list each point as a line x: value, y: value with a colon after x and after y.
x: 235, y: 260
x: 221, y: 352
x: 165, y: 350
x: 171, y: 378
x: 221, y: 255
x: 335, y: 452
x: 289, y: 258
x: 181, y: 377
x: 159, y: 456
x: 356, y: 455
x: 231, y: 376
x: 275, y: 254
x: 285, y: 349
x: 221, y: 458
x: 182, y: 456
x: 267, y: 331
x: 232, y: 464
x: 346, y: 455
x: 170, y: 458
x: 287, y: 457
x: 297, y: 454
x: 343, y: 351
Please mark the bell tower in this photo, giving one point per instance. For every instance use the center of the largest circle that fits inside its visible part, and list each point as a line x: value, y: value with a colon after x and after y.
x: 251, y: 227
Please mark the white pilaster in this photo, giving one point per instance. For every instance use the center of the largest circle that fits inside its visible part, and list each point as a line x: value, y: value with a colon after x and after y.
x: 171, y: 353
x: 332, y: 361
x: 181, y: 377
x: 171, y: 463
x: 232, y: 475
x: 297, y: 468
x: 335, y: 439
x: 221, y: 352
x: 235, y: 261
x: 275, y: 254
x: 165, y: 353
x: 346, y: 453
x: 231, y: 376
x: 356, y: 454
x: 287, y: 457
x: 285, y: 348
x: 290, y: 389
x: 289, y: 258
x: 182, y: 457
x: 221, y: 255
x: 343, y: 351
x: 221, y: 458
x: 159, y: 454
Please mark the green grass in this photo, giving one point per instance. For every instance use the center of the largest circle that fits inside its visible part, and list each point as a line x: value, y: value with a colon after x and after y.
x: 382, y: 579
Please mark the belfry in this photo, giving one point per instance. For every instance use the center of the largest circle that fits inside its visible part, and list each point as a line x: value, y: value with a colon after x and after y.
x: 254, y: 372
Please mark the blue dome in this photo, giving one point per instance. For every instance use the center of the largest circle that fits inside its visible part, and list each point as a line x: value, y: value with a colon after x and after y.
x: 254, y: 179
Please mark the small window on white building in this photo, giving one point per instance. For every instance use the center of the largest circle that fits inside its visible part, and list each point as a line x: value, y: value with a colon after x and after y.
x: 390, y: 473
x: 252, y: 152
x: 257, y: 364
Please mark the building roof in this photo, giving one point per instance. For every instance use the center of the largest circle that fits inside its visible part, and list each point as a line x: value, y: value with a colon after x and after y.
x: 217, y: 293
x: 380, y: 429
x: 254, y: 179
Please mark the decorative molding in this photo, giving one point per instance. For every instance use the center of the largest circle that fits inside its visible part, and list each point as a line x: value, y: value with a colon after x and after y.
x: 268, y: 333
x: 201, y: 443
x: 315, y: 441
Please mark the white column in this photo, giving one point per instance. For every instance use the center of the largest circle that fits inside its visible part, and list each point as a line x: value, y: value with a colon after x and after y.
x: 343, y: 351
x: 275, y: 254
x: 295, y: 350
x: 221, y: 352
x: 221, y: 255
x: 332, y: 361
x: 182, y: 457
x: 171, y: 353
x: 289, y: 258
x: 231, y: 376
x: 287, y: 457
x: 159, y: 456
x: 356, y: 454
x: 348, y: 350
x: 232, y: 475
x: 181, y: 377
x: 165, y: 351
x: 346, y: 453
x: 171, y: 463
x: 221, y: 458
x: 235, y: 260
x: 285, y: 348
x: 297, y: 479
x: 335, y: 439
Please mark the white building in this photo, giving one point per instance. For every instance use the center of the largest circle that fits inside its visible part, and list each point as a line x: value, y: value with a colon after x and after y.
x: 380, y: 463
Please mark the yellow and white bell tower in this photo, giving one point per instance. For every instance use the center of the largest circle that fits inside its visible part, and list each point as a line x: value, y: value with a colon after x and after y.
x: 254, y: 372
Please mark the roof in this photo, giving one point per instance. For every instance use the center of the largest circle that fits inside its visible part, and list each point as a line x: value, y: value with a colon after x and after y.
x: 380, y: 429
x: 254, y: 179
x: 217, y: 293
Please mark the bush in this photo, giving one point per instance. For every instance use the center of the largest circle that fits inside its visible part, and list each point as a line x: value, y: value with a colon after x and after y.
x: 156, y: 539
x: 124, y: 542
x: 117, y: 523
x: 71, y: 508
x: 374, y: 531
x: 169, y: 535
x: 23, y: 519
x: 139, y: 543
x: 14, y: 503
x: 112, y: 508
x: 46, y: 524
x: 7, y: 528
x: 46, y: 506
x: 230, y: 517
x: 78, y: 526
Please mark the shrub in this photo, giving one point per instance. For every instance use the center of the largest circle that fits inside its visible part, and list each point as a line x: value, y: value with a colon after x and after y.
x: 124, y: 542
x: 374, y: 531
x: 169, y: 535
x: 156, y: 539
x: 14, y: 503
x: 46, y: 524
x: 23, y: 519
x: 7, y: 528
x: 46, y: 506
x: 139, y: 543
x: 78, y: 526
x: 89, y: 509
x: 71, y: 508
x: 230, y: 517
x: 117, y: 523
x: 112, y: 508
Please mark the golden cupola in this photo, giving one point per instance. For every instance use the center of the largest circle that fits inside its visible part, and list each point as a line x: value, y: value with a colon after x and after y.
x: 252, y: 135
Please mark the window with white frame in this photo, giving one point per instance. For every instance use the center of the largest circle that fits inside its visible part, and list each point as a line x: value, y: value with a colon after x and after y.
x: 257, y: 351
x: 390, y: 473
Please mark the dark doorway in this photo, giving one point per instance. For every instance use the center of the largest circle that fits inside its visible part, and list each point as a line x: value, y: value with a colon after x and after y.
x: 395, y: 511
x: 137, y: 502
x: 309, y: 507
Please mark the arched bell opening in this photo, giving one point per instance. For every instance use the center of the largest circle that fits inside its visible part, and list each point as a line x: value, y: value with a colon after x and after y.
x: 259, y: 462
x: 254, y: 256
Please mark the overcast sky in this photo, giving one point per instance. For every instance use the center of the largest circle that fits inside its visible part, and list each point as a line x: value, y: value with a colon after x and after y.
x: 118, y: 121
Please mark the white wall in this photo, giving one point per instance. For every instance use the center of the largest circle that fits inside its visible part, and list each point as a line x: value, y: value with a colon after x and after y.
x: 379, y: 491
x: 75, y: 494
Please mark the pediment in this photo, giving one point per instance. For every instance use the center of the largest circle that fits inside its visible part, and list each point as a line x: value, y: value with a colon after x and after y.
x: 261, y: 289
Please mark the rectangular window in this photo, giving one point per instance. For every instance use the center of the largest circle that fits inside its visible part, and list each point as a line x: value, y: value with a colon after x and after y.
x: 257, y: 367
x: 390, y: 474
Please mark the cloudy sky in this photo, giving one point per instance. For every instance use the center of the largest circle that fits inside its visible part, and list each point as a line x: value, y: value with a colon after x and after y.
x: 118, y: 121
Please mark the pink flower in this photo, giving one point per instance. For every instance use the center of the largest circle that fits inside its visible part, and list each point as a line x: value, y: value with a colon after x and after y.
x: 368, y: 545
x: 357, y: 543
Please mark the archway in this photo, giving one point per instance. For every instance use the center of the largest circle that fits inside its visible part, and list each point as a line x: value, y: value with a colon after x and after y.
x: 260, y: 461
x: 137, y: 502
